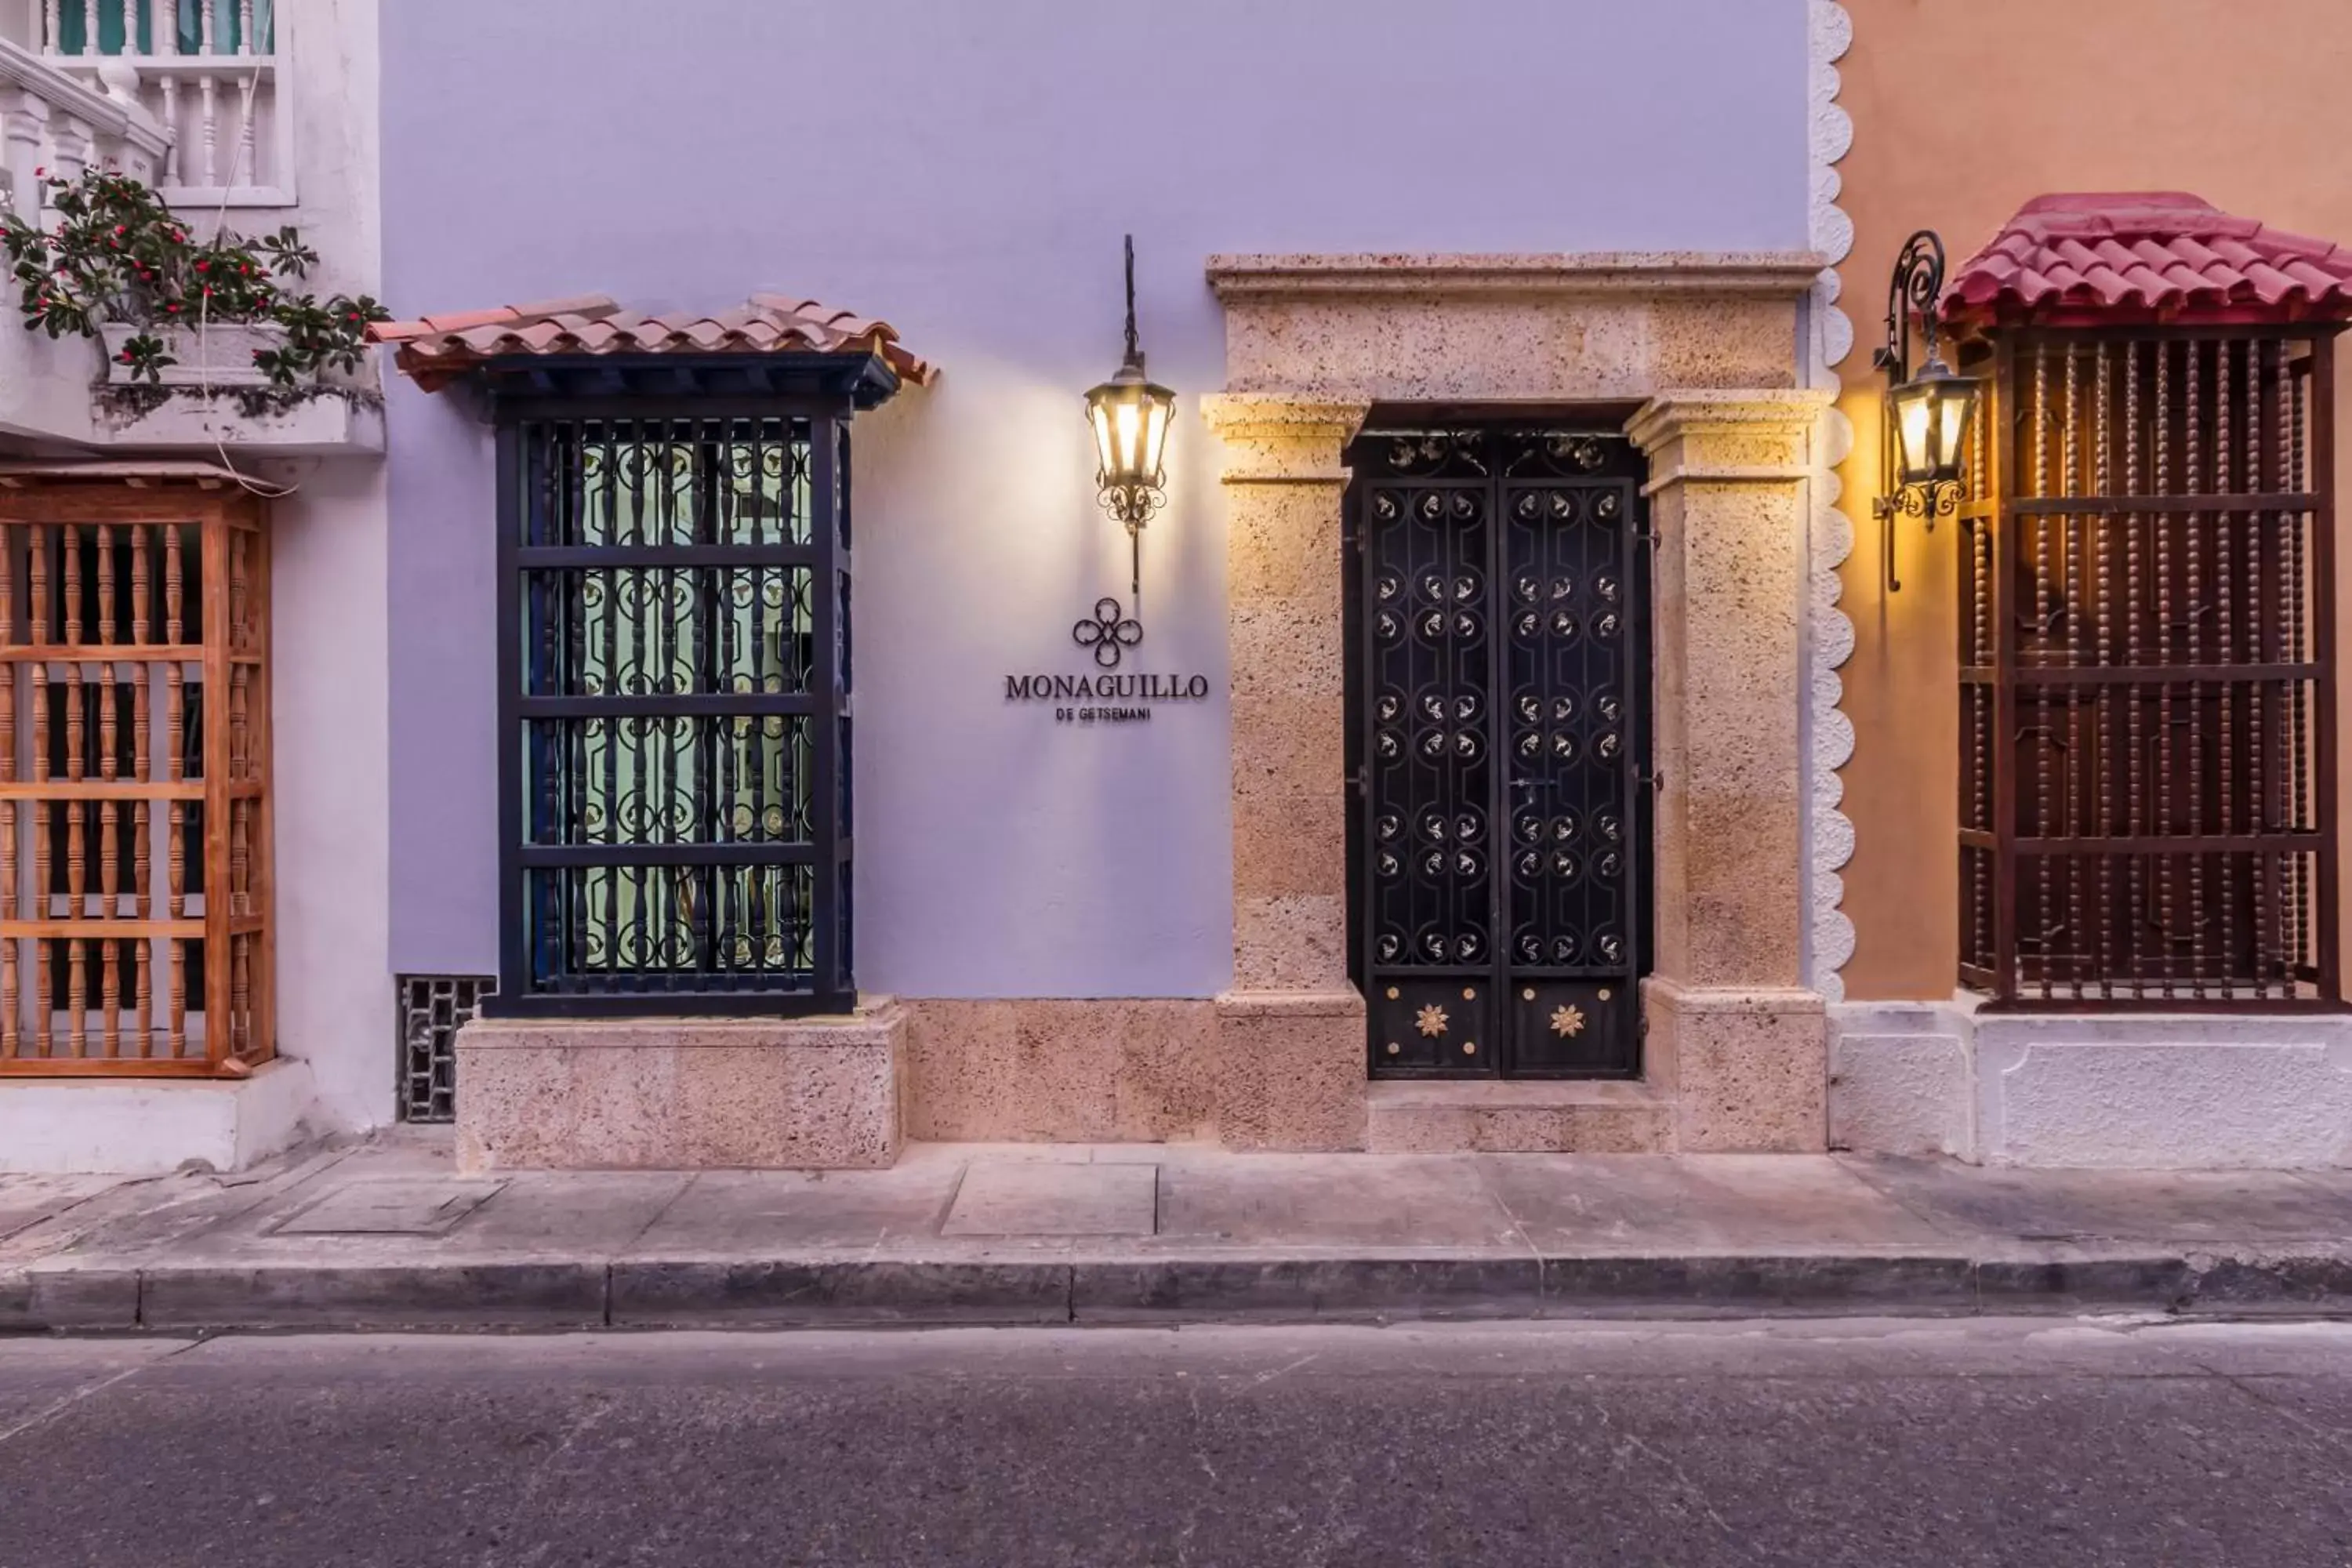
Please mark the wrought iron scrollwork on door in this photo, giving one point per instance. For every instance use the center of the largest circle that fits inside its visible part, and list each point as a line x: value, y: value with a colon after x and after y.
x: 1501, y: 681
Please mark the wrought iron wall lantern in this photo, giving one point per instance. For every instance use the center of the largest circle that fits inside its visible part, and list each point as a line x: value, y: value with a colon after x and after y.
x: 1129, y: 415
x: 1925, y: 416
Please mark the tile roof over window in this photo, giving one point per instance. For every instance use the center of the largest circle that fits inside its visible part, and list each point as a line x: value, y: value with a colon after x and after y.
x: 437, y: 350
x: 2139, y: 256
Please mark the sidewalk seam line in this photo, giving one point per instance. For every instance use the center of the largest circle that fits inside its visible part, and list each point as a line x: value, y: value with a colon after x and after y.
x: 1856, y: 1168
x: 1534, y: 1254
x: 955, y: 1192
x: 620, y: 1253
x: 692, y: 1179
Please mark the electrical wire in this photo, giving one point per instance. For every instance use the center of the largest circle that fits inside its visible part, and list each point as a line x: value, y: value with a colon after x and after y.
x: 269, y: 489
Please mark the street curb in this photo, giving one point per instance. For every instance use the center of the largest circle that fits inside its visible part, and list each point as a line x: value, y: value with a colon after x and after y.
x: 445, y: 1296
x: 1228, y: 1289
x: 68, y: 1300
x: 797, y: 1293
x: 59, y: 1296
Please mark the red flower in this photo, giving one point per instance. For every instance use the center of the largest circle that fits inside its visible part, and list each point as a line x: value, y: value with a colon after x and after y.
x: 203, y: 267
x: 124, y: 357
x: 121, y: 228
x: 173, y: 310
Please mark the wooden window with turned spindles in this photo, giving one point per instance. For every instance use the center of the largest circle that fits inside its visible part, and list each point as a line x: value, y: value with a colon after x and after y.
x: 2147, y: 702
x: 135, y: 877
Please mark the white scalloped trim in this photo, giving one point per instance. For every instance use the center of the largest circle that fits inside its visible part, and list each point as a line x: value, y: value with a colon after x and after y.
x: 1829, y: 733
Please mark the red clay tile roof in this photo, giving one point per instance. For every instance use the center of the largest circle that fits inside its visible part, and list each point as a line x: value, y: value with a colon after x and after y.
x: 2092, y: 259
x: 438, y: 349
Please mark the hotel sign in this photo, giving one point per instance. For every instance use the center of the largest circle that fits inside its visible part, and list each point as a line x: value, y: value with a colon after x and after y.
x: 1107, y: 696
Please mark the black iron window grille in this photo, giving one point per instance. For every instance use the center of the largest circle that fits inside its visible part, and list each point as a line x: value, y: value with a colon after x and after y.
x: 2147, y: 734
x: 674, y: 681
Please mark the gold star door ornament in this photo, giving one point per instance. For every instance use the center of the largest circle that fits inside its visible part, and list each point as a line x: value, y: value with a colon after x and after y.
x: 1566, y: 1022
x: 1432, y: 1021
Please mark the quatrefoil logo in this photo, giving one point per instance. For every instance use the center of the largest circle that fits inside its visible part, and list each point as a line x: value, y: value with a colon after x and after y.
x: 1110, y: 635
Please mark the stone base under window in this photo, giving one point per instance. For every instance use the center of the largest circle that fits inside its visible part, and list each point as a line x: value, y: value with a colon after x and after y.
x: 150, y: 1127
x: 2146, y: 1091
x: 680, y: 1093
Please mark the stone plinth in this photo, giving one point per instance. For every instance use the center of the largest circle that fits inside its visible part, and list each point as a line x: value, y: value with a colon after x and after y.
x: 680, y: 1093
x: 1749, y: 1069
x: 1290, y: 1070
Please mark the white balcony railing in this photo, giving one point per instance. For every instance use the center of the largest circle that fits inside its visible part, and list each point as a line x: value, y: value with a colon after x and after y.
x: 211, y: 73
x: 51, y: 122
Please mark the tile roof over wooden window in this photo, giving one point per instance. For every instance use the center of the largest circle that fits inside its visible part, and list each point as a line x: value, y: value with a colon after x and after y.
x: 2122, y: 258
x: 438, y: 349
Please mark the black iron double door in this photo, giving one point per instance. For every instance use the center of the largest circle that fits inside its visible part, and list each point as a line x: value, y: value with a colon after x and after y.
x: 1499, y: 673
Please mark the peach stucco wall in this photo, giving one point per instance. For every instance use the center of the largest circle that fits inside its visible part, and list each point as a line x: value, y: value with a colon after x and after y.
x: 1962, y: 110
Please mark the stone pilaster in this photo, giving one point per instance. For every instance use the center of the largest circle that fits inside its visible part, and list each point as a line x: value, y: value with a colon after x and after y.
x: 1283, y: 582
x: 1732, y: 1027
x: 1291, y: 1032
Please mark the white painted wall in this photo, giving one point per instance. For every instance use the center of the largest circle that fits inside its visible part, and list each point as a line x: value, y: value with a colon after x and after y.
x: 329, y: 670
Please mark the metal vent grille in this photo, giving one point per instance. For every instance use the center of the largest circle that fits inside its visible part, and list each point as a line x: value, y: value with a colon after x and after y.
x: 433, y: 1007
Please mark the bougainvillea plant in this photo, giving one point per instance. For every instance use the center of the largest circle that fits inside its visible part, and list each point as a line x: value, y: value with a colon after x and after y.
x: 118, y: 256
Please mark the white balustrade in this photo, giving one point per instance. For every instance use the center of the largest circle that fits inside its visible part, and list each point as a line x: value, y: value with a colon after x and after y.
x: 213, y: 74
x: 50, y: 120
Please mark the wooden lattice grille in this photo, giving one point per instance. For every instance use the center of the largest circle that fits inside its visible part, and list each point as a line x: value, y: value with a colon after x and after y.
x: 2146, y: 706
x: 134, y: 796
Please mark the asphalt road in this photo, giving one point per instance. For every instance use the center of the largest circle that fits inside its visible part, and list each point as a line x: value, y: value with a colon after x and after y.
x: 1880, y: 1444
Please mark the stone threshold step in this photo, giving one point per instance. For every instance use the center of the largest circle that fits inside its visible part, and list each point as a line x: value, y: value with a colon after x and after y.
x: 1518, y: 1116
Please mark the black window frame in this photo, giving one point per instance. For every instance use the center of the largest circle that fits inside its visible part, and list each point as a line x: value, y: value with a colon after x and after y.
x: 822, y: 391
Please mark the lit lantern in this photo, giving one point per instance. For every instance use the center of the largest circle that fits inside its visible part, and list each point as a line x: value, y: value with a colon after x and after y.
x: 1927, y: 413
x: 1931, y: 415
x: 1129, y: 414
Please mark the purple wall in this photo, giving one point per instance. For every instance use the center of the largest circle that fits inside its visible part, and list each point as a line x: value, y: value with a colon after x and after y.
x: 965, y: 171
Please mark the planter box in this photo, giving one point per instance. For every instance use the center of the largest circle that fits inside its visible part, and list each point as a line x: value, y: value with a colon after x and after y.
x: 219, y: 356
x: 257, y: 421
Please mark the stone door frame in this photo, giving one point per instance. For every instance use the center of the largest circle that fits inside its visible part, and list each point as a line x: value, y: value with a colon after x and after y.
x: 1710, y: 347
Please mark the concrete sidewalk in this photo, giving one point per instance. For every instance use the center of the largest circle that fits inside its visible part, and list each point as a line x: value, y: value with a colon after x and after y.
x: 383, y: 1234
